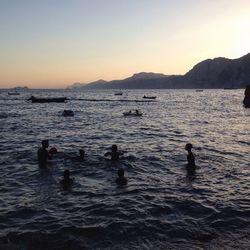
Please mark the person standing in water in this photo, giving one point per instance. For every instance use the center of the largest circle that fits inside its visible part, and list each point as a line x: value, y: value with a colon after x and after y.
x: 114, y: 153
x: 190, y: 159
x: 43, y: 154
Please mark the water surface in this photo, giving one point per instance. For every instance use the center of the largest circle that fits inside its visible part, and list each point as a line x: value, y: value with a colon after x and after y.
x: 160, y: 208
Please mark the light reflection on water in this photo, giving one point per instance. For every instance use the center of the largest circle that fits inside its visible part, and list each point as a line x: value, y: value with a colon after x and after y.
x: 159, y: 207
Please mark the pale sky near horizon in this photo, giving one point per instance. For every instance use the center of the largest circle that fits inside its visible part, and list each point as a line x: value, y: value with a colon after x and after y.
x: 54, y: 43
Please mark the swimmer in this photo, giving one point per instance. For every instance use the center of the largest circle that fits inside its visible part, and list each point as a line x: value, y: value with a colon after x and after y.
x: 114, y: 153
x: 81, y: 154
x: 43, y: 154
x: 121, y: 180
x: 79, y: 157
x: 190, y: 159
x: 66, y: 182
x: 53, y: 151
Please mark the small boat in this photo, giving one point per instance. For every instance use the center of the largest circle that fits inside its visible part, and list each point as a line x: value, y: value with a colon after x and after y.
x: 132, y: 113
x: 149, y: 97
x: 119, y: 93
x: 199, y: 90
x: 47, y: 99
x: 13, y: 93
x: 68, y: 112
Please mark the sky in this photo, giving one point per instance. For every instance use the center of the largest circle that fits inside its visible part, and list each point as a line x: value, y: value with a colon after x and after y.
x: 54, y: 43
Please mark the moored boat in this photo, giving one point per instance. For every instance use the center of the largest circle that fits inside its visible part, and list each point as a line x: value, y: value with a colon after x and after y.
x: 119, y: 93
x: 68, y: 112
x: 47, y: 99
x: 13, y: 93
x: 149, y: 97
x: 132, y: 113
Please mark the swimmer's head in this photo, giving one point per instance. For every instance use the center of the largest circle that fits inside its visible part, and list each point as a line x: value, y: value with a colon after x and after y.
x: 81, y: 152
x: 120, y: 173
x: 53, y: 151
x: 188, y: 146
x: 114, y: 148
x: 66, y: 174
x: 45, y: 143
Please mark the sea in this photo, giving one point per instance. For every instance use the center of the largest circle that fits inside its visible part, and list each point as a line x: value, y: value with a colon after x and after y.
x: 161, y: 207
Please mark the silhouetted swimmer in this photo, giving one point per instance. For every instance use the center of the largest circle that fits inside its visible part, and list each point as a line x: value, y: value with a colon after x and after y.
x: 121, y: 180
x: 114, y: 153
x: 52, y: 151
x: 81, y: 154
x: 43, y: 154
x: 66, y: 182
x: 190, y: 159
x: 79, y: 157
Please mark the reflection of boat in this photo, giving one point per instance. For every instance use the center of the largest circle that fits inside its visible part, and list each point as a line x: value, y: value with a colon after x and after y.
x: 68, y: 112
x: 119, y: 93
x: 13, y: 93
x: 48, y: 99
x: 132, y: 113
x: 199, y: 90
x: 149, y: 97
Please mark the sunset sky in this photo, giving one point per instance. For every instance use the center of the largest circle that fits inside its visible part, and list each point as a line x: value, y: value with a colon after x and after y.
x: 54, y: 43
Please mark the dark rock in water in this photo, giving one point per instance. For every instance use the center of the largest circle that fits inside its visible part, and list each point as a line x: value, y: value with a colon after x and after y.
x: 246, y: 100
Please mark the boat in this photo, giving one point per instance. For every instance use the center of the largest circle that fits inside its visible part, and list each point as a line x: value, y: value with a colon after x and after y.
x: 13, y: 93
x: 68, y: 112
x: 199, y: 90
x: 149, y: 97
x: 34, y: 99
x: 132, y: 113
x: 119, y: 93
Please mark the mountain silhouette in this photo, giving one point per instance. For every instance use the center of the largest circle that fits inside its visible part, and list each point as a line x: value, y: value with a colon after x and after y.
x: 211, y: 73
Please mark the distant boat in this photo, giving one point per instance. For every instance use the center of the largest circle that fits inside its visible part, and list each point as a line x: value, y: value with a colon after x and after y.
x: 68, y: 112
x: 48, y: 99
x: 199, y: 90
x: 132, y: 113
x: 13, y: 93
x: 119, y: 93
x: 149, y: 97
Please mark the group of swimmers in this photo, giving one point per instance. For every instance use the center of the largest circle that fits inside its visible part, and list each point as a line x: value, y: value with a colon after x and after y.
x: 44, y: 156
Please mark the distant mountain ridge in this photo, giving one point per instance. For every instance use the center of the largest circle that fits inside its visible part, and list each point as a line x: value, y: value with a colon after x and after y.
x: 211, y: 73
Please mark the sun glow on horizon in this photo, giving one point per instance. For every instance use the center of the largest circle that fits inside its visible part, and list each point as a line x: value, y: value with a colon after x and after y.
x: 45, y: 45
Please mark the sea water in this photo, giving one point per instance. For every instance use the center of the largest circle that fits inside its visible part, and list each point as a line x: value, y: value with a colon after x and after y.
x: 161, y: 207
